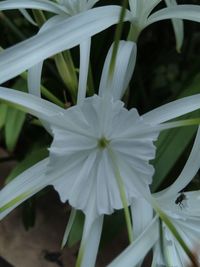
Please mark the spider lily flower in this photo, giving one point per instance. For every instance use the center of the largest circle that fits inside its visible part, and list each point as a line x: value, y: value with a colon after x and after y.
x: 99, y: 157
x: 181, y: 210
x: 143, y: 16
x: 73, y: 24
x: 63, y: 31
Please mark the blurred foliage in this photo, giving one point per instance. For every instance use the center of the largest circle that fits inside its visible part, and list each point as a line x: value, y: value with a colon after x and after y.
x: 161, y: 75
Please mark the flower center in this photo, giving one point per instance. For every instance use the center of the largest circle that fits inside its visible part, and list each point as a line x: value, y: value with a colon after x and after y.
x: 103, y: 143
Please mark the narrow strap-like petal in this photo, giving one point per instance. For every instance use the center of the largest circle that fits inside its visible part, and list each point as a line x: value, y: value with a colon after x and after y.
x: 177, y: 25
x: 138, y: 249
x: 173, y: 109
x: 34, y: 79
x: 142, y: 214
x: 69, y: 227
x: 61, y: 36
x: 27, y: 16
x: 35, y: 72
x: 32, y: 4
x: 32, y: 104
x: 22, y: 187
x: 91, y: 236
x: 83, y: 70
x: 116, y: 85
x: 188, y: 12
x: 91, y: 242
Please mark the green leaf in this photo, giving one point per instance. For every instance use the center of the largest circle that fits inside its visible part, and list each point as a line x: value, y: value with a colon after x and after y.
x: 172, y: 143
x: 77, y: 229
x: 3, y: 112
x: 14, y: 120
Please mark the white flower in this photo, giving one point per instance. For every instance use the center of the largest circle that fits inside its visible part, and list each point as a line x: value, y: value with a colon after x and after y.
x: 101, y: 125
x: 143, y: 15
x: 100, y: 152
x: 181, y: 210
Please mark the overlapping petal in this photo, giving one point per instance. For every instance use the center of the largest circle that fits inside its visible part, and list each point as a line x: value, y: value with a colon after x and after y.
x: 33, y: 4
x: 116, y: 85
x: 187, y: 12
x: 62, y: 36
x: 103, y: 118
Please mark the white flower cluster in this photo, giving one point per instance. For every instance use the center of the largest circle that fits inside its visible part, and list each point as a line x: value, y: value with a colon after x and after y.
x: 99, y: 160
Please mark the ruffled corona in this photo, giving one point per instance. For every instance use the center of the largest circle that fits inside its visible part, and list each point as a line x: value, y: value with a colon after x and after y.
x: 80, y: 161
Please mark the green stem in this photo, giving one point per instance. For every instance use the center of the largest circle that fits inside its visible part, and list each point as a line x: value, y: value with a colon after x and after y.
x: 181, y: 123
x: 39, y: 17
x: 67, y: 72
x: 117, y: 37
x: 80, y: 256
x: 122, y: 194
x: 134, y: 33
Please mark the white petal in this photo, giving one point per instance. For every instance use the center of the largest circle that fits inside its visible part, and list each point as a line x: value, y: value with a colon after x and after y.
x: 70, y: 181
x: 91, y: 243
x: 35, y: 72
x: 139, y: 248
x: 188, y: 12
x: 142, y: 214
x: 34, y: 105
x: 135, y: 181
x: 177, y: 25
x: 172, y: 110
x: 65, y: 172
x: 123, y: 70
x: 91, y: 235
x: 32, y: 4
x: 22, y: 187
x: 83, y: 71
x: 69, y: 227
x: 34, y: 79
x: 193, y: 203
x: 62, y: 36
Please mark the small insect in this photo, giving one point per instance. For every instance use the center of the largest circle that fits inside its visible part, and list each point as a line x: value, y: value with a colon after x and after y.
x: 179, y: 200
